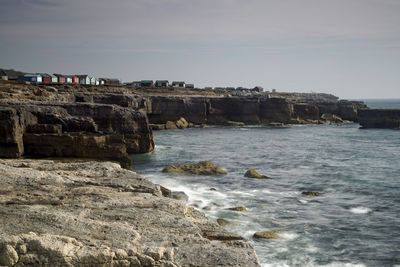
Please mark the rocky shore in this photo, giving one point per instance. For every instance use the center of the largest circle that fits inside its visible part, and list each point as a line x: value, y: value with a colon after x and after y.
x: 98, y: 214
x: 112, y: 122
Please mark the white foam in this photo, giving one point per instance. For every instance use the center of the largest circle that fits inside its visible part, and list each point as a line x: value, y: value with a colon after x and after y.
x: 341, y: 264
x: 288, y: 235
x: 360, y: 210
x: 302, y: 201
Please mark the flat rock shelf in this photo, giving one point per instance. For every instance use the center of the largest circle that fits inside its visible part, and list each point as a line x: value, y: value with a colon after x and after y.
x: 99, y: 214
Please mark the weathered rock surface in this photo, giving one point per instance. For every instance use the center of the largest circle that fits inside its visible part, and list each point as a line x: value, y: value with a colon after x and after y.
x: 85, y: 130
x: 379, y: 118
x: 271, y: 234
x: 201, y: 168
x: 98, y: 214
x: 240, y: 110
x: 254, y: 174
x: 239, y: 208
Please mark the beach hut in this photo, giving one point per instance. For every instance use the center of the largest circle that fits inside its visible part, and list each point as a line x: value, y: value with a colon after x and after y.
x: 54, y: 78
x: 136, y: 83
x: 84, y: 79
x: 146, y: 83
x: 46, y: 78
x: 162, y: 83
x: 3, y: 75
x: 178, y: 84
x: 60, y: 78
x: 92, y: 80
x: 75, y: 79
x: 68, y: 79
x: 31, y: 77
x: 189, y: 85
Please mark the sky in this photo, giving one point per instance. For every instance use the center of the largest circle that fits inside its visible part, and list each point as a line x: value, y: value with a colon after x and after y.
x: 350, y: 48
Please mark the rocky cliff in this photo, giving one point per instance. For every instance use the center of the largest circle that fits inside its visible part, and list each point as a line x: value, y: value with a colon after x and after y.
x: 66, y: 122
x: 379, y: 118
x: 98, y: 214
x: 249, y: 110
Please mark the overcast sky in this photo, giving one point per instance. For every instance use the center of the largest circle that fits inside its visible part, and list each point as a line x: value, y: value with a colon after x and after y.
x: 350, y: 48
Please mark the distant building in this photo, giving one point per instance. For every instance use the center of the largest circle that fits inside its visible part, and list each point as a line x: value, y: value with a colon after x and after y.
x: 178, y: 84
x: 68, y: 78
x: 162, y: 83
x: 273, y: 90
x: 189, y: 85
x: 75, y: 79
x: 3, y: 75
x: 136, y: 83
x: 46, y: 78
x: 34, y: 78
x: 84, y: 79
x: 60, y: 78
x: 54, y: 78
x: 92, y: 80
x: 146, y: 83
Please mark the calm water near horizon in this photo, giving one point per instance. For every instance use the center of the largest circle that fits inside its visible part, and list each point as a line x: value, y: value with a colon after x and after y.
x: 355, y: 222
x: 382, y: 103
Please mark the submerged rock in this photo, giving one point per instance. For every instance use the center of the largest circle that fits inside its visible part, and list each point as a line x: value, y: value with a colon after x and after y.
x: 271, y: 234
x: 201, y: 168
x: 254, y: 174
x: 239, y: 208
x: 311, y: 193
x: 223, y: 222
x: 180, y: 195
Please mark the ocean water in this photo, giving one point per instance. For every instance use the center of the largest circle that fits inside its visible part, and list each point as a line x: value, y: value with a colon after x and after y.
x: 356, y: 220
x: 382, y: 103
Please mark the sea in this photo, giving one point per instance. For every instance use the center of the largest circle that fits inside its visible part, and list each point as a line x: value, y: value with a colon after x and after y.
x: 354, y: 222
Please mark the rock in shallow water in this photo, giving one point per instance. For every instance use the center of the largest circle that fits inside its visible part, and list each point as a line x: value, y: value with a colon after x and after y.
x: 254, y: 174
x: 239, y: 208
x: 201, y: 168
x: 311, y: 193
x: 271, y: 234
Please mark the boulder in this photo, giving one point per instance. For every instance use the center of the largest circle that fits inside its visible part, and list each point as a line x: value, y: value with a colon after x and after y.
x: 254, y: 174
x: 182, y: 123
x: 271, y: 234
x: 179, y: 195
x: 223, y: 222
x: 170, y: 125
x: 331, y: 118
x: 239, y: 208
x: 201, y: 168
x: 311, y: 193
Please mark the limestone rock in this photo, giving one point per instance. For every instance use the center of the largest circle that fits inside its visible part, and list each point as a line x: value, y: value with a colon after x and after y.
x: 201, y: 168
x: 271, y: 234
x: 223, y: 222
x: 182, y: 123
x: 239, y: 208
x: 379, y: 118
x: 170, y: 125
x: 98, y: 214
x: 331, y: 118
x: 254, y: 174
x: 8, y: 256
x: 235, y: 123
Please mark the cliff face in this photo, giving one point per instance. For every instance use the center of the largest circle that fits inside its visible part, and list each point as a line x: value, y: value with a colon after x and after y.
x: 379, y: 118
x: 97, y: 214
x: 86, y: 130
x: 249, y: 110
